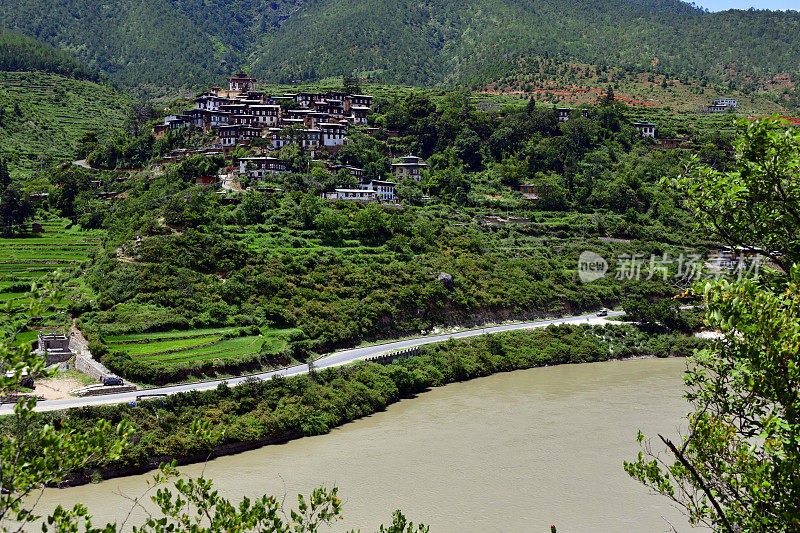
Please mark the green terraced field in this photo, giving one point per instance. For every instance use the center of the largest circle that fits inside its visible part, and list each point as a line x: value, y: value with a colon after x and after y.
x: 60, y: 247
x: 54, y: 112
x: 222, y: 349
x: 184, y: 334
x: 28, y: 257
x: 148, y: 348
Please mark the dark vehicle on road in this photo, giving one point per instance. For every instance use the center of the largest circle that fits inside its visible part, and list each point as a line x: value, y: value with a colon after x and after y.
x: 112, y: 380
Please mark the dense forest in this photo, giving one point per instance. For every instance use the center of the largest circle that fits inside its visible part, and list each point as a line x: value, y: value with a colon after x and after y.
x: 184, y: 43
x: 21, y: 53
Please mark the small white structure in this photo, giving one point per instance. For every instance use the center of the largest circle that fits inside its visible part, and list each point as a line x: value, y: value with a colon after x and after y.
x: 726, y: 102
x: 647, y: 129
x: 352, y: 195
x: 384, y: 190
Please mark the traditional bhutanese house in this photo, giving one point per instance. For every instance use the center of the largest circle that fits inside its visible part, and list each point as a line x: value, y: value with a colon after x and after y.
x: 258, y: 167
x: 228, y: 137
x: 211, y: 101
x: 240, y: 82
x: 384, y: 190
x: 359, y: 114
x: 266, y: 115
x: 409, y: 166
x: 306, y: 99
x: 334, y: 108
x: 647, y: 129
x: 563, y: 113
x: 311, y: 138
x: 244, y: 119
x: 360, y: 100
x: 231, y: 135
x: 205, y: 180
x: 529, y: 192
x: 332, y: 133
x: 235, y: 109
x: 352, y: 195
x: 714, y: 108
x: 286, y: 122
x: 314, y: 118
x: 294, y: 114
x: 256, y: 96
x: 353, y: 171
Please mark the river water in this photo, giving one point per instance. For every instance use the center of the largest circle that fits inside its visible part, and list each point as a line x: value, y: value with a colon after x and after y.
x: 512, y: 452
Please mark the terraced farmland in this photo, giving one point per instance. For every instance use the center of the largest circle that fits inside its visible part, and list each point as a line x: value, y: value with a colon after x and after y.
x: 26, y: 258
x: 46, y: 114
x: 180, y: 347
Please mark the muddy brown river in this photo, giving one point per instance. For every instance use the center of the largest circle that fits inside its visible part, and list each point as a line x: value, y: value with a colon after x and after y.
x: 512, y: 452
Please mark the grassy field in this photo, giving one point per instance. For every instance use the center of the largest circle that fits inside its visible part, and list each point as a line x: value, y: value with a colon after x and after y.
x: 138, y: 337
x: 196, y: 345
x: 29, y: 257
x: 42, y: 116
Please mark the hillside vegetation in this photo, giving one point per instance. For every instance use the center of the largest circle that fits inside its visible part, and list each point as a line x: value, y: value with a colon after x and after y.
x: 43, y: 116
x: 443, y: 41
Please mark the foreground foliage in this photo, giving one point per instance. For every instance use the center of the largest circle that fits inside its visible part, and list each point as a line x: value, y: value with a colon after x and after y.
x: 738, y: 468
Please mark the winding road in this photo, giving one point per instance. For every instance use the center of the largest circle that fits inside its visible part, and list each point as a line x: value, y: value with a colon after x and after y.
x: 334, y: 359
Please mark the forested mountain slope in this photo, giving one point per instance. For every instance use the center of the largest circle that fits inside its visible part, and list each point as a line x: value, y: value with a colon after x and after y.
x: 188, y: 42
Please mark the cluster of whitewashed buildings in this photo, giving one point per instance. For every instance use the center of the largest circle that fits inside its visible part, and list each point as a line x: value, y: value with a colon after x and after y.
x: 316, y: 121
x: 241, y: 113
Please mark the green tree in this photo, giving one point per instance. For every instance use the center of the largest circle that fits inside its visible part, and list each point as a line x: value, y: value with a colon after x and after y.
x: 15, y: 208
x: 738, y: 467
x: 5, y: 176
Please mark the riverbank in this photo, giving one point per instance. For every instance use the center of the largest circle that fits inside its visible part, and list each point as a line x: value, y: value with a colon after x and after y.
x: 258, y: 413
x: 514, y: 451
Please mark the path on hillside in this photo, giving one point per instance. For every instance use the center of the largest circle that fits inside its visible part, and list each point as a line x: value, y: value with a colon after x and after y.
x: 335, y: 359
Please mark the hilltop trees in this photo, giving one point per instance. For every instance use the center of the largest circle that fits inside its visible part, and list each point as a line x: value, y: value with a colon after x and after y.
x: 738, y: 468
x: 15, y: 208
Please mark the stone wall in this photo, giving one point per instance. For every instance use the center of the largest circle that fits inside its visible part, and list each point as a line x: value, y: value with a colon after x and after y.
x: 90, y: 367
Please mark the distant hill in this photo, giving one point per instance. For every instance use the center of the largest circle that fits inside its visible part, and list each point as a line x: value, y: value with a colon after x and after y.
x: 195, y: 42
x: 43, y: 115
x: 22, y: 53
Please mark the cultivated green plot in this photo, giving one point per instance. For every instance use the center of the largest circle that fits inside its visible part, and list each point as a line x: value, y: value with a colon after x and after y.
x: 184, y: 334
x: 226, y: 348
x: 162, y: 347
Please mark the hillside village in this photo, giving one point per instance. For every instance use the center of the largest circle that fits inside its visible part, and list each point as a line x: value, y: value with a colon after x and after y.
x: 317, y: 122
x: 242, y: 116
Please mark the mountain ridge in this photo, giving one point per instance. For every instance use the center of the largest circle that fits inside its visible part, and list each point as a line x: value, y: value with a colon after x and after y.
x: 431, y: 42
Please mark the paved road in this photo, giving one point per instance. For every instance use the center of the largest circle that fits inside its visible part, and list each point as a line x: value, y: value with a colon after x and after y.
x: 340, y: 358
x: 82, y: 163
